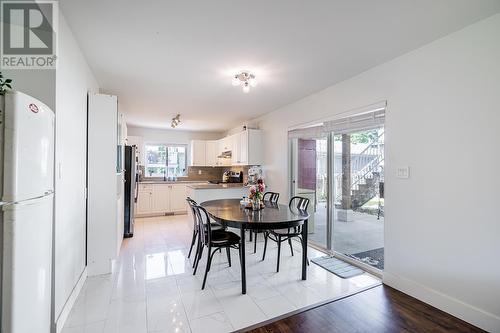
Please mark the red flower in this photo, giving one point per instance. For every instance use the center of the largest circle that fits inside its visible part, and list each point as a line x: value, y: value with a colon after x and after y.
x: 253, y: 190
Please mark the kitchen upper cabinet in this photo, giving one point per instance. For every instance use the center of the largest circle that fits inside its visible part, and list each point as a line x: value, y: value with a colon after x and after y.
x: 177, y: 198
x: 243, y: 153
x: 252, y: 151
x: 225, y: 145
x: 198, y: 153
x: 245, y: 148
x: 236, y: 149
x: 211, y: 152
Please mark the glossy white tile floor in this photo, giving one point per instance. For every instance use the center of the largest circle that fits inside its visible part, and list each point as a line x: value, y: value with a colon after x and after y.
x: 153, y: 289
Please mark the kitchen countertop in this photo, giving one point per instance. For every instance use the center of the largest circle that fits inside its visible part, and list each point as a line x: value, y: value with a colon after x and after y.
x: 216, y: 186
x: 173, y: 182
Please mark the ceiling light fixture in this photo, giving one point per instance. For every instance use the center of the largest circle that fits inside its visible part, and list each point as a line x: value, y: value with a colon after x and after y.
x: 176, y: 121
x: 245, y: 80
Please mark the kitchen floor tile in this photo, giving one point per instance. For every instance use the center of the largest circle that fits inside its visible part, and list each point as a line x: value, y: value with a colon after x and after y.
x: 275, y: 306
x: 215, y: 323
x: 153, y: 288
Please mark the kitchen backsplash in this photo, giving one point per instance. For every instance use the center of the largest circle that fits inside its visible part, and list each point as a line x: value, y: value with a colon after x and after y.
x: 207, y: 173
x: 212, y: 173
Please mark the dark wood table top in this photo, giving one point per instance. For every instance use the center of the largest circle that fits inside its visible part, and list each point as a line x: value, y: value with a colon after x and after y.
x: 274, y: 216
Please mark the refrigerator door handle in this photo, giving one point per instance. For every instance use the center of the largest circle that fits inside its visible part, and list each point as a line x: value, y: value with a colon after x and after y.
x: 10, y: 203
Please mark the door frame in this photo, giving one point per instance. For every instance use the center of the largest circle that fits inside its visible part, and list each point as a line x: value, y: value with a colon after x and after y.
x: 330, y: 225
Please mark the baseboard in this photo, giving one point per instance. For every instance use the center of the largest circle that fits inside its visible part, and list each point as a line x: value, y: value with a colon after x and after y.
x: 469, y: 313
x: 100, y: 267
x: 180, y: 212
x: 63, y: 316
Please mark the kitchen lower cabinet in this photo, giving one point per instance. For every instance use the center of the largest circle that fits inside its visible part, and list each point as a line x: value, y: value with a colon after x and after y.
x: 144, y: 199
x: 177, y: 198
x: 144, y: 202
x: 160, y: 199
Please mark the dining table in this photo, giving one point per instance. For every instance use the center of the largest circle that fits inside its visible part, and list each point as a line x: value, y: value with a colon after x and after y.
x: 273, y: 216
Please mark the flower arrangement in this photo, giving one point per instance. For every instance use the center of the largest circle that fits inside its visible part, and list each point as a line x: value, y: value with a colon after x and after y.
x: 257, y: 193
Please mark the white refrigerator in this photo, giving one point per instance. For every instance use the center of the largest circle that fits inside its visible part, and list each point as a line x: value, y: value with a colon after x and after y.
x: 27, y: 189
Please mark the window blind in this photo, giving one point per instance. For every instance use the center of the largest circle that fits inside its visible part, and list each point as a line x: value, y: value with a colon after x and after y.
x: 365, y: 118
x: 357, y: 122
x: 307, y: 132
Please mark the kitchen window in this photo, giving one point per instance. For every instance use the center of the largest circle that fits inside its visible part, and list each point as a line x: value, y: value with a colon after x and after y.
x: 166, y: 160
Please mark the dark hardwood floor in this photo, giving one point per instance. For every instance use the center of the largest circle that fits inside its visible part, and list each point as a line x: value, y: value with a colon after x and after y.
x: 380, y: 309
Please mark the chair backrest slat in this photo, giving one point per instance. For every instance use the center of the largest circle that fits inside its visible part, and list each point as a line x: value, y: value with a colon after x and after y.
x: 192, y: 204
x: 301, y: 203
x: 272, y: 197
x: 205, y: 228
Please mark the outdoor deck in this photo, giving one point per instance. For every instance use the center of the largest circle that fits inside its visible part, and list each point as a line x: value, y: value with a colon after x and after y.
x: 364, y: 233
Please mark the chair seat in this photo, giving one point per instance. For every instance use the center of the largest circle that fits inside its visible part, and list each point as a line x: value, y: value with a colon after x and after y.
x: 223, y: 237
x: 216, y: 226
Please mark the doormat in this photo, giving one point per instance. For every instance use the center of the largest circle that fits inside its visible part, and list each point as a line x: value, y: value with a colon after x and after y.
x: 373, y: 258
x: 337, y: 266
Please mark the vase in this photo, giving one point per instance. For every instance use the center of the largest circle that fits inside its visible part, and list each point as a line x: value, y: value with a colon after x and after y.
x: 256, y: 204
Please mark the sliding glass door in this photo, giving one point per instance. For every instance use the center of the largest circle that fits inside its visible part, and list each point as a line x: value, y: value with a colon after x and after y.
x: 358, y: 219
x: 339, y: 166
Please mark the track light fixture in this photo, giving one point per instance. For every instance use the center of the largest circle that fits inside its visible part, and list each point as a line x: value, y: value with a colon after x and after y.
x: 176, y: 121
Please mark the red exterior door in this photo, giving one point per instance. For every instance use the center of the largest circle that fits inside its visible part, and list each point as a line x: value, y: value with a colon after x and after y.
x: 307, y: 164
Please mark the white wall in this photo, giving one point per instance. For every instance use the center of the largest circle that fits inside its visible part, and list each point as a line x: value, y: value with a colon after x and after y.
x: 151, y: 135
x: 171, y: 136
x: 442, y: 225
x: 73, y: 80
x: 39, y: 83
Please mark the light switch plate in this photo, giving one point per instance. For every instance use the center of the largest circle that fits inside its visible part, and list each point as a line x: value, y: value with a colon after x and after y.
x: 403, y: 172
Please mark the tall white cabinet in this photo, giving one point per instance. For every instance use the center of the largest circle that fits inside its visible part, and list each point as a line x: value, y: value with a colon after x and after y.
x: 104, y: 170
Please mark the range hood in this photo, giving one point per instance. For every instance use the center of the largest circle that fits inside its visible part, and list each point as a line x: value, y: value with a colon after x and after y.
x: 225, y: 154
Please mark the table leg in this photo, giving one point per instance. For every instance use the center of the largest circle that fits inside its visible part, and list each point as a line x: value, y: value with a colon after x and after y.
x: 242, y: 261
x: 304, y: 250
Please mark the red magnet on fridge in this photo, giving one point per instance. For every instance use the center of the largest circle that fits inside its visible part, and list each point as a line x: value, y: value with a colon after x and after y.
x: 34, y: 108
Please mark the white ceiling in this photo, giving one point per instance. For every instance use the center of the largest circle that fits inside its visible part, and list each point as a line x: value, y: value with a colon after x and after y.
x: 167, y: 57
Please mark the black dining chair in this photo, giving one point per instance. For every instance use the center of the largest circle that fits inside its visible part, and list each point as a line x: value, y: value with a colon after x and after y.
x: 272, y: 198
x: 214, y: 240
x: 215, y: 226
x: 282, y: 235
